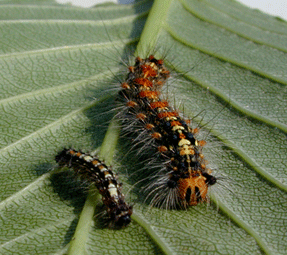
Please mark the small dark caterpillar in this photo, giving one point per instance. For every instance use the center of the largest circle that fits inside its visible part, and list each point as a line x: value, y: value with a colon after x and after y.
x: 183, y: 178
x: 92, y: 170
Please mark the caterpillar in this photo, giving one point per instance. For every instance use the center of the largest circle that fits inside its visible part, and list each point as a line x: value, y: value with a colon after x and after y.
x: 94, y: 171
x: 183, y: 179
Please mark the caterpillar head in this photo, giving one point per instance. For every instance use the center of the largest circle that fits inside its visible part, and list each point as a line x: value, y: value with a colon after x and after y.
x: 193, y: 190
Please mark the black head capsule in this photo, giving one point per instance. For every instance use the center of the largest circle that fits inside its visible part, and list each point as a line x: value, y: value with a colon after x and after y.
x: 122, y: 216
x: 124, y: 221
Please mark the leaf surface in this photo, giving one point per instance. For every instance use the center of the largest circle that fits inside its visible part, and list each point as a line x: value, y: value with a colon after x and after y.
x: 59, y: 67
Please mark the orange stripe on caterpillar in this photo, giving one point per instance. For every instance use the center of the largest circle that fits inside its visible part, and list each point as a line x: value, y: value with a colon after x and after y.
x: 148, y: 71
x: 160, y: 104
x: 125, y: 85
x: 202, y: 143
x: 144, y: 82
x: 141, y: 116
x: 182, y: 136
x: 162, y: 149
x: 156, y: 135
x: 149, y: 94
x: 149, y: 126
x: 131, y: 69
x: 131, y: 104
x: 175, y: 123
x: 167, y: 114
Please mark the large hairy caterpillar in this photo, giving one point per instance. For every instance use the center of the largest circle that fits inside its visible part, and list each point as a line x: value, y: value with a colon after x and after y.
x: 184, y: 178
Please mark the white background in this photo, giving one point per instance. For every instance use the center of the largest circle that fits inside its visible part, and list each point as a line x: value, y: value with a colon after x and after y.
x: 273, y: 7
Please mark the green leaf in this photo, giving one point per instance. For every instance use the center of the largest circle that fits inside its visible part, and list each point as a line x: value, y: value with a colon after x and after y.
x: 58, y: 68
